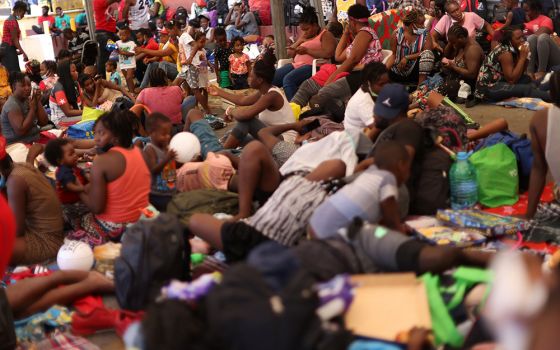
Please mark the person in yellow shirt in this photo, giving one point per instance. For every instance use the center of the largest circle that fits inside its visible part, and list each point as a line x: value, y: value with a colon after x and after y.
x: 164, y: 58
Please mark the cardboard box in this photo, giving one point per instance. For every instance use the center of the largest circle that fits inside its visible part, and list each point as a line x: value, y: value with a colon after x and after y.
x: 387, y: 304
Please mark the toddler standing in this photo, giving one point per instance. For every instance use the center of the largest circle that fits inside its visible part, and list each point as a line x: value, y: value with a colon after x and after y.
x: 127, y: 59
x: 239, y: 65
x: 160, y: 160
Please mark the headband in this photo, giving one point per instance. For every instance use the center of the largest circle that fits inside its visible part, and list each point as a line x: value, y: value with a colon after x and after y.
x: 362, y: 20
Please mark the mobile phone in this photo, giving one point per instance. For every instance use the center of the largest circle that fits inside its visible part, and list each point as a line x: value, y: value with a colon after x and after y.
x: 310, y: 127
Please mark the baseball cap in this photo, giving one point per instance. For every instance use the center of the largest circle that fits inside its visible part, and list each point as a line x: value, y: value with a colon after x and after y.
x: 164, y: 31
x: 391, y: 101
x: 205, y: 15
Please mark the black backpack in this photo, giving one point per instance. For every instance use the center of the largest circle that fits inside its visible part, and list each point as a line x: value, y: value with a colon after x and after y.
x: 243, y: 312
x: 153, y: 253
x: 432, y: 187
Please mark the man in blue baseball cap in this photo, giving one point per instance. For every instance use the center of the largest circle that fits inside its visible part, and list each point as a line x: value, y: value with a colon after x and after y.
x: 392, y: 124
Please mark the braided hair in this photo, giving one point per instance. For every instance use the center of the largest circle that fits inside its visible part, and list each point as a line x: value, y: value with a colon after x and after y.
x: 157, y: 78
x: 411, y: 17
x: 309, y: 16
x: 122, y: 124
x: 458, y: 31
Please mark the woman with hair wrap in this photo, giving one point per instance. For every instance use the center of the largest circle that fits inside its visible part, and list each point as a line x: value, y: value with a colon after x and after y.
x: 313, y: 43
x: 412, y: 58
x: 358, y: 46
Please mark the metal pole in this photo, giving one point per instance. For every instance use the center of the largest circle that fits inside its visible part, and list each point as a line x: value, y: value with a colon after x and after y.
x: 277, y: 12
x: 88, y: 6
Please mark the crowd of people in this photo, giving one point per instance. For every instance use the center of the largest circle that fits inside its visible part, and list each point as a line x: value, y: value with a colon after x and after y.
x: 333, y: 146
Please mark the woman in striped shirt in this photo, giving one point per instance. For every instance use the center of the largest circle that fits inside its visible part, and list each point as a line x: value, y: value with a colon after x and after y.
x: 412, y: 58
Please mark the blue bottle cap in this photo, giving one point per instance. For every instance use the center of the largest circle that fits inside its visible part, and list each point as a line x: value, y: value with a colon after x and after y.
x: 462, y: 156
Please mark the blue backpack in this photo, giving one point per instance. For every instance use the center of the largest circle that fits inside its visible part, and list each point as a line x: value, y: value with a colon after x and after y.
x: 521, y: 147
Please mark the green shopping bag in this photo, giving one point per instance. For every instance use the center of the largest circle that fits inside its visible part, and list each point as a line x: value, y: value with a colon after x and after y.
x: 444, y: 328
x: 497, y: 175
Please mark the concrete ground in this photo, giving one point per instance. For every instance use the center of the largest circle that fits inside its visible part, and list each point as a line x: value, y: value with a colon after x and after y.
x: 517, y: 118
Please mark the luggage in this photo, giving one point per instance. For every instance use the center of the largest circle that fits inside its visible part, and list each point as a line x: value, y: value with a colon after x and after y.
x: 153, y: 253
x: 208, y: 201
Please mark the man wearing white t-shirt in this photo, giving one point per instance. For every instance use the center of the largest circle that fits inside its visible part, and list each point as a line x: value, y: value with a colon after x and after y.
x: 138, y: 14
x: 359, y: 111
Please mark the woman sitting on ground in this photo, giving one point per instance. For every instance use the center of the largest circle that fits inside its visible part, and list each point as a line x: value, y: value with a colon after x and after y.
x: 463, y: 63
x: 101, y: 93
x: 162, y: 98
x: 65, y: 100
x: 22, y: 114
x: 36, y: 208
x: 358, y: 46
x: 267, y: 107
x: 502, y: 73
x: 314, y: 43
x: 411, y: 44
x: 119, y: 181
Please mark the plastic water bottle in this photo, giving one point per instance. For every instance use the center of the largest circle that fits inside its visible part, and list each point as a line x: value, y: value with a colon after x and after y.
x: 464, y: 90
x: 462, y: 177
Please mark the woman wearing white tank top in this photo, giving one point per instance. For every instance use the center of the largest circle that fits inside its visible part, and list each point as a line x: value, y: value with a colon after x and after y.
x: 545, y: 137
x: 267, y: 107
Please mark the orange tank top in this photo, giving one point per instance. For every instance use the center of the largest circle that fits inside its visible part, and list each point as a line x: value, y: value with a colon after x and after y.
x: 128, y: 195
x: 313, y: 44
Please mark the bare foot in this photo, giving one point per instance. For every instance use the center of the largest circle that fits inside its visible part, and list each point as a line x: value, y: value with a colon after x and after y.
x: 199, y: 246
x: 100, y: 282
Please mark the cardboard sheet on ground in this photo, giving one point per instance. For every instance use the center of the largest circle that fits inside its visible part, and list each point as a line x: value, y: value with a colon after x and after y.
x: 386, y: 304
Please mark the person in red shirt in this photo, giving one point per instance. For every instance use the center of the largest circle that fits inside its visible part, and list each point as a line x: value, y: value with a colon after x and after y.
x: 105, y: 29
x: 11, y: 35
x: 545, y: 49
x: 39, y: 29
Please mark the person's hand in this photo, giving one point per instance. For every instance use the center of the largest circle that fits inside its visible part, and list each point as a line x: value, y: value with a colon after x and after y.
x: 301, y: 50
x: 300, y: 124
x: 402, y: 63
x: 448, y: 63
x: 213, y: 90
x: 418, y: 338
x: 524, y: 51
x: 171, y: 154
x: 25, y: 58
x: 437, y: 47
x: 139, y: 49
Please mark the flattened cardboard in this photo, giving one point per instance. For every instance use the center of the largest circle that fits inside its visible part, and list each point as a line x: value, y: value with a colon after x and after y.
x: 387, y: 304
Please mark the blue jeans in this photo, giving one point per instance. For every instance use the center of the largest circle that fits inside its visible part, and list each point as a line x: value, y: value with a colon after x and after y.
x: 502, y: 90
x: 291, y: 78
x: 188, y: 103
x: 232, y: 32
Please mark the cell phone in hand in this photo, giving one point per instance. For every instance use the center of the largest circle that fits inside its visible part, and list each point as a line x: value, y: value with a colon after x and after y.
x: 310, y: 127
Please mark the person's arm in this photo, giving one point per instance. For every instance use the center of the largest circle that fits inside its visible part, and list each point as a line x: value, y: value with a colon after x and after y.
x: 539, y: 167
x: 20, y: 123
x: 125, y: 53
x: 17, y: 44
x: 238, y: 100
x: 66, y: 108
x: 390, y: 214
x: 227, y: 21
x: 509, y: 18
x: 512, y: 72
x: 151, y: 160
x: 155, y: 9
x: 17, y: 199
x: 42, y: 116
x: 269, y: 135
x: 449, y: 51
x: 75, y: 186
x: 436, y: 37
x: 264, y: 102
x: 240, y: 21
x: 489, y: 28
x: 473, y: 62
x: 359, y: 49
x: 96, y: 196
x: 328, y: 46
x: 126, y: 8
x: 340, y: 51
x: 391, y: 61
